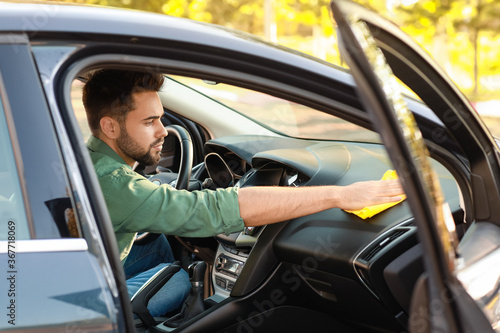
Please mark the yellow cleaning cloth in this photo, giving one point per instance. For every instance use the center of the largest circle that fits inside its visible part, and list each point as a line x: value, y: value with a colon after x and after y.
x: 370, y: 211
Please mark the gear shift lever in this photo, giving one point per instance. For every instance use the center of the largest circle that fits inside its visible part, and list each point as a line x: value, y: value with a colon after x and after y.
x: 197, y: 275
x: 193, y: 305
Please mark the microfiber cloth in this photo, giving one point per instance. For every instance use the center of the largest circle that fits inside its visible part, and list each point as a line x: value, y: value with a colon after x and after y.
x: 370, y: 211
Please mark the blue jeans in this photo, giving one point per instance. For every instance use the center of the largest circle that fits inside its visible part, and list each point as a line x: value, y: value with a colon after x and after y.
x: 143, y: 262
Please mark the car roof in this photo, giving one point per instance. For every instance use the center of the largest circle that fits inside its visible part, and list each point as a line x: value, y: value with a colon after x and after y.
x: 41, y: 21
x: 90, y: 23
x: 33, y: 18
x: 61, y: 17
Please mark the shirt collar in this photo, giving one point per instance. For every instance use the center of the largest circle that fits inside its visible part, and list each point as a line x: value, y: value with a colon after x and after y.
x: 97, y: 145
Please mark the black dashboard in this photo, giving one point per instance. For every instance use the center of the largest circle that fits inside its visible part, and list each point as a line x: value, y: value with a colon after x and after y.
x: 336, y: 255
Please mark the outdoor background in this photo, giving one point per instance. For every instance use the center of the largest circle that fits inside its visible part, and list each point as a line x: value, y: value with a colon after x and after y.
x: 462, y: 35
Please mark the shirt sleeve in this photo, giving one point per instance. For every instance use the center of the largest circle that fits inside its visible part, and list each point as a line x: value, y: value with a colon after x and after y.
x: 137, y: 205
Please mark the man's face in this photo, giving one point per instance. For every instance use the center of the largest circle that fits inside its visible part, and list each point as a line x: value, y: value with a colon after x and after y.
x: 142, y: 133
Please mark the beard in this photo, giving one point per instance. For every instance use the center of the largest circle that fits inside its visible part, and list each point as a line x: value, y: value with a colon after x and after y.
x: 131, y: 148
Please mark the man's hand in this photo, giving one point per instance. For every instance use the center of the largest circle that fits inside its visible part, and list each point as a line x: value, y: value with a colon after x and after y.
x: 263, y: 205
x: 363, y: 194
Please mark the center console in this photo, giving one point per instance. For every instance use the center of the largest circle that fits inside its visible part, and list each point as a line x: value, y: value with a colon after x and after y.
x: 231, y: 256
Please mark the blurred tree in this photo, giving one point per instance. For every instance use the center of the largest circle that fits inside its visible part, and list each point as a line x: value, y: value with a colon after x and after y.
x: 150, y: 5
x: 475, y: 18
x: 435, y: 22
x: 431, y: 20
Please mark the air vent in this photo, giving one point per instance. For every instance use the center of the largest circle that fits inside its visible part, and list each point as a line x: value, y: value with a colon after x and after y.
x: 379, y: 245
x: 411, y: 223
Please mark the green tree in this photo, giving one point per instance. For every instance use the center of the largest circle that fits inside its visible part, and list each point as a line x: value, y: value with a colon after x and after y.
x: 476, y: 18
x: 435, y: 23
x: 430, y: 21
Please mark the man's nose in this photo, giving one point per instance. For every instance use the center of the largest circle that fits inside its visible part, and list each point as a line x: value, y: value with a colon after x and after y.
x: 162, y: 132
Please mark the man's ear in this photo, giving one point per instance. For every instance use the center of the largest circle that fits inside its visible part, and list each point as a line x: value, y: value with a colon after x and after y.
x: 110, y: 128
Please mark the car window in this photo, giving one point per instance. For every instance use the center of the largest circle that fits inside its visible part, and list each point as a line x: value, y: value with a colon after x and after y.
x: 41, y: 195
x: 280, y: 115
x: 14, y: 224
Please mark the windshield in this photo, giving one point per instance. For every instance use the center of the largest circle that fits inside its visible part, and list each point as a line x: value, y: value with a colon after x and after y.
x: 280, y: 115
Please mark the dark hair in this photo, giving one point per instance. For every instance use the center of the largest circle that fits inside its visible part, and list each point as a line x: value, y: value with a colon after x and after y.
x: 108, y: 92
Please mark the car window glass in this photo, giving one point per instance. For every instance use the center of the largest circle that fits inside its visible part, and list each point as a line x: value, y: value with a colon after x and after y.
x: 13, y: 220
x: 39, y: 148
x: 280, y: 115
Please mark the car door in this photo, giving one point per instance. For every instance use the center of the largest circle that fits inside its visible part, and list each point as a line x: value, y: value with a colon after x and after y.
x: 56, y: 275
x: 444, y: 299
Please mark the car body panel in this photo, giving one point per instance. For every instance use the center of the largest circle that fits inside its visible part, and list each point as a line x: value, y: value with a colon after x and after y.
x: 43, y: 170
x: 67, y: 296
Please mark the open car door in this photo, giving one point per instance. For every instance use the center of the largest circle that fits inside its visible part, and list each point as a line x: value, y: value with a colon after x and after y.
x: 460, y: 288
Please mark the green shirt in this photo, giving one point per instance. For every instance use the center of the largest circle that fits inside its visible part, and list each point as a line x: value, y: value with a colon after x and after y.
x: 137, y: 205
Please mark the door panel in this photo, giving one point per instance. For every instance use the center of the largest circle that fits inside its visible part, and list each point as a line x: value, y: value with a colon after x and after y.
x: 61, y: 289
x: 50, y: 278
x: 361, y: 33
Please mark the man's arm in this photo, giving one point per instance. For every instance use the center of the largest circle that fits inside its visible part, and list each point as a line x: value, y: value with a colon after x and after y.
x: 261, y: 205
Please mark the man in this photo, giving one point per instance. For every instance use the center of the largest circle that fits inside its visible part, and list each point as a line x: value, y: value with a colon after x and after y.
x: 124, y: 111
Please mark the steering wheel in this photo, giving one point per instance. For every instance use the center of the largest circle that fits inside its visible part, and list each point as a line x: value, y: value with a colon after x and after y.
x: 186, y: 164
x: 183, y: 176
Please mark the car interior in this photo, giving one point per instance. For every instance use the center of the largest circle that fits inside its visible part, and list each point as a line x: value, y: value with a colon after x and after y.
x: 326, y: 271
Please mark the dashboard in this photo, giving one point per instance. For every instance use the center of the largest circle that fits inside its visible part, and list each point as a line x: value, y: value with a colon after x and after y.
x: 335, y: 254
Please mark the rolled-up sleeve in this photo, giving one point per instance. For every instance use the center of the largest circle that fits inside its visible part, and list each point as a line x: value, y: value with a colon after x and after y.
x: 137, y: 205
